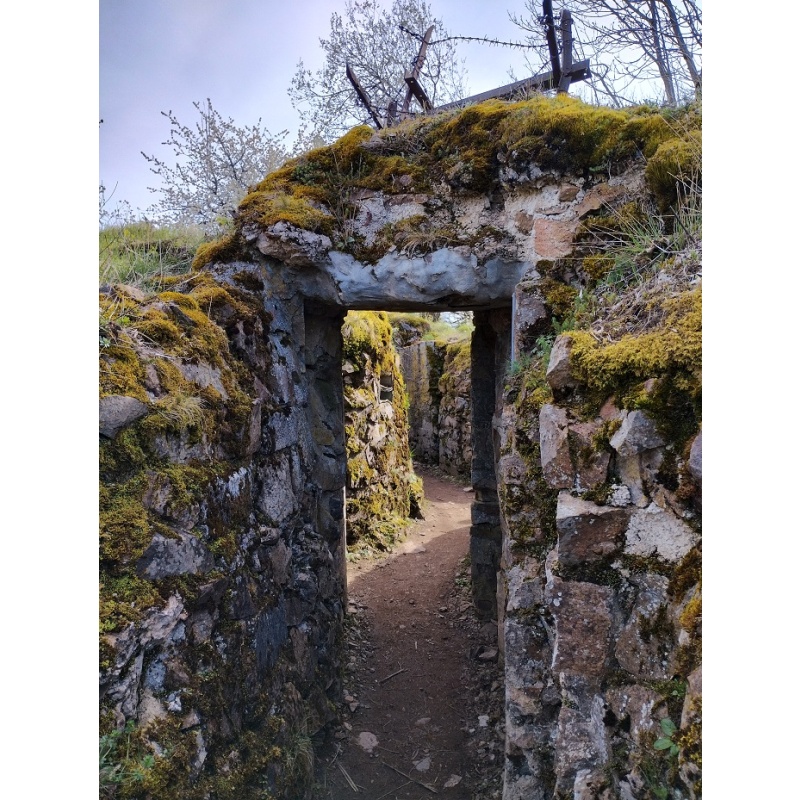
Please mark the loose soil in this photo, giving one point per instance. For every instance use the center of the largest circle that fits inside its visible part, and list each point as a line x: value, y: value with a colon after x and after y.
x: 422, y: 676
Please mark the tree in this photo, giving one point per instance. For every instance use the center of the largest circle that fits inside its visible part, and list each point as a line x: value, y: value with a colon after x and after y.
x: 215, y: 163
x: 369, y: 38
x: 634, y: 45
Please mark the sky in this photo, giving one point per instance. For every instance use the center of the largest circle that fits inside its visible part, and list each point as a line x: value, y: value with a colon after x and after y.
x: 161, y: 55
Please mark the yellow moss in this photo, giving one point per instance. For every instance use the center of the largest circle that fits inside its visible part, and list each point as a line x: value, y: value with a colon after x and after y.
x: 122, y: 372
x: 185, y: 301
x: 676, y: 346
x: 158, y: 327
x: 368, y: 332
x: 647, y: 131
x: 597, y: 267
x: 222, y: 250
x: 124, y: 527
x: 269, y: 208
x: 559, y: 297
x: 691, y: 615
x: 676, y: 161
x: 563, y: 133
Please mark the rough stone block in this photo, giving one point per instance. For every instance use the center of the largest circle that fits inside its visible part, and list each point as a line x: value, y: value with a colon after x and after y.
x: 553, y: 440
x: 117, y: 412
x: 184, y: 555
x: 586, y: 531
x: 553, y: 238
x: 591, y: 467
x: 582, y: 613
x: 645, y: 646
x: 581, y: 746
x: 656, y: 531
x: 635, y: 703
x: 559, y: 375
x: 636, y: 434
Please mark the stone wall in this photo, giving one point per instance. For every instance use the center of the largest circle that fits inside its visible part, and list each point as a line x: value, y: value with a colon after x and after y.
x: 421, y: 363
x: 455, y: 411
x: 222, y: 564
x: 437, y: 376
x: 600, y: 572
x: 382, y: 490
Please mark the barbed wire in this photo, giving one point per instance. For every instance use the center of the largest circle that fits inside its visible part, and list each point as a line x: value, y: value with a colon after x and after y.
x: 481, y: 39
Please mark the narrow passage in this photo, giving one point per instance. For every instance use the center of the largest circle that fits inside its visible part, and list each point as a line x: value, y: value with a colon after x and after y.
x: 423, y: 688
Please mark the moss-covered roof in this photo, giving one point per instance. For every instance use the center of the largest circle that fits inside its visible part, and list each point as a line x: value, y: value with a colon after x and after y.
x: 469, y: 151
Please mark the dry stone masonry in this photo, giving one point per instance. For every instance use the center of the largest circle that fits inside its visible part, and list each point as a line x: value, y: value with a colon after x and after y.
x: 224, y: 452
x: 437, y: 379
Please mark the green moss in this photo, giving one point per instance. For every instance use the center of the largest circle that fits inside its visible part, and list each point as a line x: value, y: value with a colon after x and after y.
x: 600, y: 572
x: 123, y: 598
x: 464, y: 146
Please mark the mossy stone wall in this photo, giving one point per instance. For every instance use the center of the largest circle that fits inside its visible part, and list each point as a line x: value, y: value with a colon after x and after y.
x: 382, y: 489
x: 221, y: 580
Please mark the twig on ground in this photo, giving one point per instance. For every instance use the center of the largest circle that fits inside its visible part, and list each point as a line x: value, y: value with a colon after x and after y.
x: 413, y: 780
x: 347, y: 777
x: 383, y: 680
x: 397, y: 789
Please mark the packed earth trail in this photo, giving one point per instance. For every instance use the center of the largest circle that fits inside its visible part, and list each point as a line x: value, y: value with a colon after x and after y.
x: 423, y: 689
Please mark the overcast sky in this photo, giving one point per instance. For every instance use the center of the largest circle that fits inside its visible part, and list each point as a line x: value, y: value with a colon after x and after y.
x: 161, y: 55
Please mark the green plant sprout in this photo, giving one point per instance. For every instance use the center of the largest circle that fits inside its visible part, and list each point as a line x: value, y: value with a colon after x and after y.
x: 666, y: 742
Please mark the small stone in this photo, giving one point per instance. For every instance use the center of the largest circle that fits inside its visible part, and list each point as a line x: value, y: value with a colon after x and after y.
x: 423, y: 765
x: 443, y: 609
x: 353, y: 706
x: 619, y: 496
x: 191, y: 720
x: 636, y: 434
x: 483, y: 721
x: 559, y: 375
x: 696, y: 457
x: 117, y: 412
x: 488, y: 655
x: 174, y: 702
x: 422, y: 722
x: 452, y: 781
x: 367, y: 741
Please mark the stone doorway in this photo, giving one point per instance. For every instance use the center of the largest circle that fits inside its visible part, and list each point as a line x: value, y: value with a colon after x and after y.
x: 490, y: 354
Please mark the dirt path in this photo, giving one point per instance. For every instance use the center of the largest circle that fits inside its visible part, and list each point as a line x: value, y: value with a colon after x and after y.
x: 423, y: 688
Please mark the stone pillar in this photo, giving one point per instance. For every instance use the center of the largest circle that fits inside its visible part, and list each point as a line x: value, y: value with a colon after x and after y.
x: 485, y: 535
x: 323, y: 359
